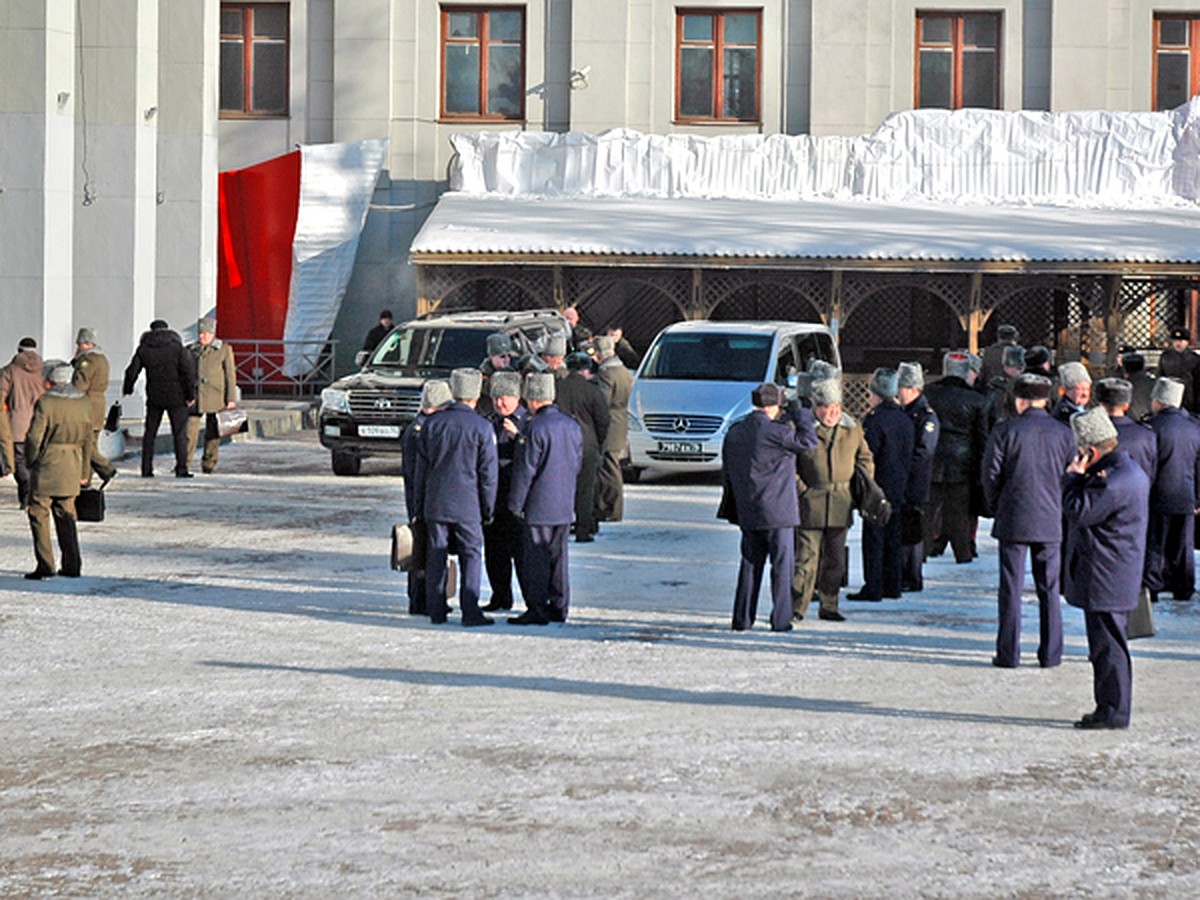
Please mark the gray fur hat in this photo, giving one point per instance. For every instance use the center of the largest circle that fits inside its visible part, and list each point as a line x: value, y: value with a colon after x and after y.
x: 85, y: 336
x: 1114, y: 392
x: 1092, y: 427
x: 556, y: 345
x: 206, y: 325
x: 821, y: 370
x: 539, y: 387
x: 956, y: 365
x: 1013, y: 358
x: 1071, y: 374
x: 466, y: 384
x: 825, y: 392
x: 1007, y: 332
x: 1168, y: 391
x: 977, y: 362
x: 436, y: 393
x: 910, y: 375
x: 499, y: 343
x: 605, y: 346
x: 61, y: 374
x: 884, y: 383
x: 504, y: 384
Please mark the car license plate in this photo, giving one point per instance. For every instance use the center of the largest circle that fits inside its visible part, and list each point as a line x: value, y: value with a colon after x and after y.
x: 690, y: 448
x: 379, y: 431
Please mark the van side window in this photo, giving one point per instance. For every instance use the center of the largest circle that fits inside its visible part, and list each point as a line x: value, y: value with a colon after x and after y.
x: 813, y: 346
x: 785, y: 363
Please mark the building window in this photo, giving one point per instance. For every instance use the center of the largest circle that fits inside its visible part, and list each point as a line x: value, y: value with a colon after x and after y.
x: 1176, y: 59
x: 958, y: 60
x: 483, y: 62
x: 717, y: 62
x: 254, y: 59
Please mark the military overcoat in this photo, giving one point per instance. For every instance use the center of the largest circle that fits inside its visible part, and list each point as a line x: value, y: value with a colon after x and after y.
x: 826, y: 472
x: 55, y: 444
x: 216, y: 376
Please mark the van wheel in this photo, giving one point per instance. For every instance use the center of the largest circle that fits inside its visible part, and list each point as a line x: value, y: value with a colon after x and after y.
x: 630, y: 475
x: 346, y: 463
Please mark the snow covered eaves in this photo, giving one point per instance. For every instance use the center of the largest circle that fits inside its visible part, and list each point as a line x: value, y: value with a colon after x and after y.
x: 515, y: 229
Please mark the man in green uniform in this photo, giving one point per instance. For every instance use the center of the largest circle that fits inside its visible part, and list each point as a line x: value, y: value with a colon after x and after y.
x: 91, y: 377
x: 55, y: 449
x: 216, y: 389
x: 826, y: 503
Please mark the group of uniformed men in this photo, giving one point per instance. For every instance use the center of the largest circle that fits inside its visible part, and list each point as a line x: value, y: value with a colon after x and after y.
x: 1104, y: 504
x: 53, y: 413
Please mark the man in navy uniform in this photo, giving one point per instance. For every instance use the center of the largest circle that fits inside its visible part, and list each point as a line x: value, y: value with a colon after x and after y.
x: 502, y: 536
x: 455, y: 491
x: 758, y: 468
x: 1173, y: 499
x: 583, y: 399
x: 1105, y: 497
x: 435, y: 395
x: 926, y: 430
x: 1076, y: 386
x: 889, y: 434
x: 962, y: 421
x: 1023, y: 465
x: 546, y: 462
x: 1138, y: 440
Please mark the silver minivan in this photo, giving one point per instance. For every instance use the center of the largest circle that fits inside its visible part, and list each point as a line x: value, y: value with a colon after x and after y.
x: 695, y: 381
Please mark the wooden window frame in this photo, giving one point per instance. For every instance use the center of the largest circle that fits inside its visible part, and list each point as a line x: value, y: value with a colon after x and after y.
x: 481, y: 12
x: 718, y: 45
x: 957, y: 46
x: 1192, y: 48
x: 248, y: 40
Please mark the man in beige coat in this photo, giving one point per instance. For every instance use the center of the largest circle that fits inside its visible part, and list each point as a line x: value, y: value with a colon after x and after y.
x: 826, y: 503
x: 54, y: 451
x: 91, y: 377
x: 216, y: 389
x: 617, y: 383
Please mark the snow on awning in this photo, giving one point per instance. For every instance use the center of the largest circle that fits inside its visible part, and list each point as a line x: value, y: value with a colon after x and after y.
x: 927, y: 185
x: 608, y: 226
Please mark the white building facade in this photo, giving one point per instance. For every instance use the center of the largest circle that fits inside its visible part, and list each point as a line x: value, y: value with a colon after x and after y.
x: 116, y: 115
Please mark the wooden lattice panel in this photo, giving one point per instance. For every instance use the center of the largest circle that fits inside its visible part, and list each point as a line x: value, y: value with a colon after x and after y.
x: 794, y: 297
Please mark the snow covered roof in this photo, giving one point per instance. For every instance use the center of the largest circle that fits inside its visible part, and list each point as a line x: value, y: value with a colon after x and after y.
x: 927, y: 186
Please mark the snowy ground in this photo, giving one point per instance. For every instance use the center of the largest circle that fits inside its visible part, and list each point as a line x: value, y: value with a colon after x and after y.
x: 233, y: 702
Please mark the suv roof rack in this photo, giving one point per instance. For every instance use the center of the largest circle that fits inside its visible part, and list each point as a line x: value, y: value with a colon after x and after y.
x: 499, y: 316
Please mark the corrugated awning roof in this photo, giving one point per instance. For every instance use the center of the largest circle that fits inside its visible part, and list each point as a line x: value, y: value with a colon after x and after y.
x: 492, y: 225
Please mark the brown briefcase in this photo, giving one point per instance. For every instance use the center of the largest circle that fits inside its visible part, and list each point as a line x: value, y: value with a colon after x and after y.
x: 408, y: 547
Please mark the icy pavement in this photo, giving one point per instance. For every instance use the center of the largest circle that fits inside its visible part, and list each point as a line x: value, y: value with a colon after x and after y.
x: 233, y: 702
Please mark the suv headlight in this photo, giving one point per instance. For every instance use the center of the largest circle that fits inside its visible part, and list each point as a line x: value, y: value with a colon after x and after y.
x: 334, y: 400
x: 634, y: 423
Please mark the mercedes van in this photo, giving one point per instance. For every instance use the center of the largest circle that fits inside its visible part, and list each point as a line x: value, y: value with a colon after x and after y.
x: 695, y: 381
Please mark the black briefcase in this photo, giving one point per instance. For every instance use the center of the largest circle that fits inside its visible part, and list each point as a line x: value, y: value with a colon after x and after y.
x: 89, y: 505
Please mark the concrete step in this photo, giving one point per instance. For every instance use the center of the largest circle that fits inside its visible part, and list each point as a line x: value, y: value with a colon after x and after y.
x: 265, y: 418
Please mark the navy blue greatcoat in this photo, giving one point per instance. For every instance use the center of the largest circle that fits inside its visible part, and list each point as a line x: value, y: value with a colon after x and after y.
x: 1107, y: 511
x: 890, y: 435
x: 1140, y: 442
x: 926, y: 431
x: 546, y: 463
x: 759, y: 471
x: 1023, y: 465
x: 455, y: 483
x: 1173, y: 499
x: 408, y: 469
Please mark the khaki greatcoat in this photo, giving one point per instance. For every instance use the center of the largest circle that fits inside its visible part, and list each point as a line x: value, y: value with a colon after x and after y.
x: 216, y: 381
x: 91, y: 377
x: 826, y: 472
x: 56, y: 443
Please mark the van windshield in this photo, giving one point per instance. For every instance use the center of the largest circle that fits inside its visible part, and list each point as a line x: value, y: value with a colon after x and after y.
x: 441, y: 348
x: 709, y: 357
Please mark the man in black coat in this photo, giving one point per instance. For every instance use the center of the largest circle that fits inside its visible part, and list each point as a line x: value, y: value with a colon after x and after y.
x: 379, y: 332
x: 170, y: 388
x: 1179, y: 361
x: 1142, y: 383
x: 926, y: 429
x: 502, y: 536
x: 455, y: 481
x: 889, y: 434
x: 1023, y: 465
x: 962, y: 417
x: 545, y: 466
x: 758, y: 469
x: 435, y: 395
x: 581, y: 397
x: 993, y: 356
x: 1173, y: 499
x: 1000, y: 388
x: 1105, y: 497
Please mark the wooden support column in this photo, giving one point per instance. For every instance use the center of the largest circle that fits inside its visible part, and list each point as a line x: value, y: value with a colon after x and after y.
x: 425, y: 304
x: 975, y: 316
x: 696, y: 309
x: 560, y: 292
x: 833, y: 309
x: 1114, y: 320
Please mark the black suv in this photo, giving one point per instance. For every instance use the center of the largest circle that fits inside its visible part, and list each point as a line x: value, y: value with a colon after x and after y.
x: 365, y: 414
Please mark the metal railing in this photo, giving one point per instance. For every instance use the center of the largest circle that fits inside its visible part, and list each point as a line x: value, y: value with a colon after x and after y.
x: 264, y: 368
